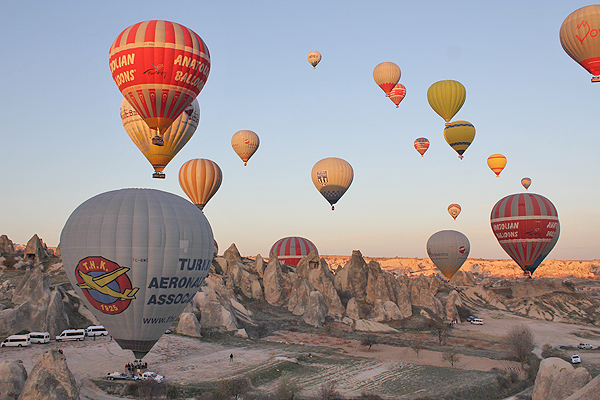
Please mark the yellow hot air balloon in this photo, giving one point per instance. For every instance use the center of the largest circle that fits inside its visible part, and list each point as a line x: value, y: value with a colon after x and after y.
x: 386, y: 75
x: 580, y: 38
x: 314, y: 58
x: 496, y: 162
x: 459, y: 135
x: 245, y: 143
x: 526, y: 182
x: 175, y: 137
x: 446, y: 98
x: 454, y: 210
x: 332, y: 177
x: 200, y: 179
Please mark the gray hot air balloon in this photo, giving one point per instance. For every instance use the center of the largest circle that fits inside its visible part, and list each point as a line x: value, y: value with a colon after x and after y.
x: 137, y: 257
x: 448, y: 250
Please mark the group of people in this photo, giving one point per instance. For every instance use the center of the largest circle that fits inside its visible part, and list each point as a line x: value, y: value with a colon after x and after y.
x: 136, y: 366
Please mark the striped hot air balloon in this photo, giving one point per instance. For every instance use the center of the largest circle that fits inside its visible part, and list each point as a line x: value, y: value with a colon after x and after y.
x: 526, y: 182
x: 200, y: 179
x: 332, y: 177
x: 245, y: 143
x: 448, y: 250
x: 496, y: 162
x: 446, y: 98
x: 397, y: 94
x: 421, y: 145
x: 386, y: 75
x: 160, y: 67
x: 525, y: 225
x: 290, y: 250
x: 459, y: 135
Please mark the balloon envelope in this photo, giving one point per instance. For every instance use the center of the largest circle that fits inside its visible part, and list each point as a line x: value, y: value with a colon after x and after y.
x: 421, y: 145
x: 397, y: 94
x: 525, y: 225
x: 496, y: 162
x: 448, y: 250
x: 459, y: 135
x: 332, y: 177
x: 290, y: 250
x: 314, y: 58
x: 136, y: 257
x: 160, y: 67
x: 175, y: 137
x: 386, y: 75
x: 580, y: 38
x: 200, y: 179
x: 526, y: 182
x: 454, y: 210
x: 245, y: 143
x: 446, y: 98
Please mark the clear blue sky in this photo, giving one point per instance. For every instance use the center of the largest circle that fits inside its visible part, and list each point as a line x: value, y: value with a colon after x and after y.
x: 63, y: 142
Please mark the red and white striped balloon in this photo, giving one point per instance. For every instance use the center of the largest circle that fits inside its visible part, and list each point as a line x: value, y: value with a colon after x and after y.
x: 290, y: 250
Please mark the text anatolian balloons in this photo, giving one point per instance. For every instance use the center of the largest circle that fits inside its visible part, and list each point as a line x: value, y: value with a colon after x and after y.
x: 200, y: 179
x: 421, y: 145
x: 454, y: 210
x: 446, y: 98
x: 174, y: 138
x: 448, y: 250
x: 580, y: 38
x: 245, y: 143
x: 160, y: 67
x: 314, y: 58
x: 386, y: 75
x: 525, y: 225
x: 290, y: 250
x: 459, y: 135
x: 136, y: 257
x: 496, y: 162
x: 332, y: 177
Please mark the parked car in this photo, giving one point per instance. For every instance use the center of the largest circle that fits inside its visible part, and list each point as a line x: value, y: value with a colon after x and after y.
x: 575, y: 359
x: 96, y: 330
x: 16, y: 341
x: 585, y: 346
x: 149, y: 375
x: 477, y: 321
x: 116, y: 375
x: 561, y: 346
x: 39, y: 337
x: 470, y: 318
x: 71, y: 334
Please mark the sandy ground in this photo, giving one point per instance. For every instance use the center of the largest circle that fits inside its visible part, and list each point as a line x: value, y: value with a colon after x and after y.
x: 186, y: 360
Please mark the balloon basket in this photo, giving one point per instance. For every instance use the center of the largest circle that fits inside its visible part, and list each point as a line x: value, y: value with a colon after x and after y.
x: 159, y: 175
x: 595, y: 79
x: 158, y: 141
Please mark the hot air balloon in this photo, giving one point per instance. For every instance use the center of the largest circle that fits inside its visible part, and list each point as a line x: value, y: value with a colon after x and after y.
x: 454, y: 210
x: 332, y: 177
x: 290, y: 250
x: 525, y: 225
x: 136, y: 257
x: 459, y: 135
x: 448, y: 250
x: 526, y: 182
x: 175, y: 137
x: 446, y: 98
x: 580, y: 38
x: 314, y: 58
x: 245, y: 143
x: 200, y: 179
x: 160, y: 67
x: 397, y: 94
x: 386, y: 75
x: 496, y: 162
x: 421, y: 145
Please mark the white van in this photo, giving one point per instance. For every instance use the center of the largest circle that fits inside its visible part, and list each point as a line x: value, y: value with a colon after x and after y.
x: 16, y: 341
x: 96, y: 330
x: 71, y: 334
x: 39, y: 337
x: 477, y: 321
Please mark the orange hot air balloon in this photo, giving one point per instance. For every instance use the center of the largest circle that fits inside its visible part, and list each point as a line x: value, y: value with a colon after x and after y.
x: 421, y: 145
x: 397, y: 94
x: 386, y: 75
x: 580, y: 38
x: 245, y: 143
x: 454, y: 210
x: 496, y: 162
x: 526, y: 182
x: 200, y: 179
x: 314, y: 58
x: 160, y: 67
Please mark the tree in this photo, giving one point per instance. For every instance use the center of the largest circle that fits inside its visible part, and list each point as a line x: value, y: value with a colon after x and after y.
x: 520, y: 343
x: 327, y: 392
x: 451, y: 356
x: 441, y: 331
x: 369, y: 340
x: 288, y: 388
x: 234, y: 387
x: 416, y: 348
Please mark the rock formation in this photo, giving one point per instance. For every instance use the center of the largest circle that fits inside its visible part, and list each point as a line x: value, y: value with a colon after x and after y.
x: 188, y: 325
x: 50, y: 379
x: 12, y: 379
x: 277, y: 284
x: 6, y: 246
x: 557, y: 379
x: 591, y: 391
x: 36, y: 249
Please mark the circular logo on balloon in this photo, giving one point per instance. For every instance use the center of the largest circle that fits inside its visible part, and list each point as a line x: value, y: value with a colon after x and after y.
x: 105, y: 284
